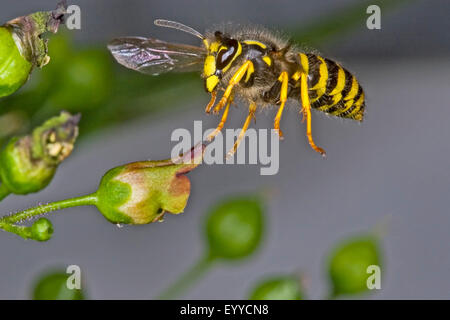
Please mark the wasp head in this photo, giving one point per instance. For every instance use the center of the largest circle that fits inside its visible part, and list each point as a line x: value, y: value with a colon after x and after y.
x: 222, y: 52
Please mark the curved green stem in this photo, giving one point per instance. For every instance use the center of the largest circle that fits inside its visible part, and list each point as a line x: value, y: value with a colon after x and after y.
x: 4, y: 192
x: 24, y: 232
x: 198, y: 270
x: 53, y: 206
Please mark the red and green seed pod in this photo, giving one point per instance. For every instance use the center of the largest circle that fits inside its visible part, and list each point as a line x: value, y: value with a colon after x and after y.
x: 349, y: 262
x: 142, y: 192
x: 22, y: 49
x: 28, y: 163
x: 278, y: 288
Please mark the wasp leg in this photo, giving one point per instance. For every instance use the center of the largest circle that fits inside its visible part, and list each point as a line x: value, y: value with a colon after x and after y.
x: 222, y: 121
x: 251, y: 115
x: 283, y: 97
x: 211, y: 102
x: 306, y: 109
x: 234, y: 81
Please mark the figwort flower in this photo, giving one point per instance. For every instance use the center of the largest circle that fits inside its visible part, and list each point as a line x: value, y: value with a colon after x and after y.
x: 28, y: 163
x: 141, y: 192
x: 136, y: 193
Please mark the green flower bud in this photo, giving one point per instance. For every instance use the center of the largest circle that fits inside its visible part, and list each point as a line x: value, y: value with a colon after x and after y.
x: 42, y: 230
x: 22, y: 48
x: 28, y: 164
x: 349, y: 262
x: 278, y: 288
x: 53, y: 286
x: 234, y: 228
x: 141, y: 192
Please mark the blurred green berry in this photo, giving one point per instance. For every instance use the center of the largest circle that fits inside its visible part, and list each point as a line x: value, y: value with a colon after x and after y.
x: 349, y: 262
x: 234, y: 228
x: 53, y: 286
x: 278, y: 288
x: 85, y: 81
x: 42, y: 230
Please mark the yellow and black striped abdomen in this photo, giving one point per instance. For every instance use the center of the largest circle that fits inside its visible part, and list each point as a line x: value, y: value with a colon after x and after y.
x: 333, y: 89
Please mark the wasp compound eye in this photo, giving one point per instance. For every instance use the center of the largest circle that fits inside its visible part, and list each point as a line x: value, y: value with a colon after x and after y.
x: 225, y: 56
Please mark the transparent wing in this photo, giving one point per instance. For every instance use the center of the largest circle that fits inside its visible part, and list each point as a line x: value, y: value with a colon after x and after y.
x: 153, y: 56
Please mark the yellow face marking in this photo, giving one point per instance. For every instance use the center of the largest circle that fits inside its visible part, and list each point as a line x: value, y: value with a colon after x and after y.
x: 214, y: 47
x: 257, y: 43
x: 209, y: 68
x: 211, y: 83
x: 323, y: 75
x: 353, y: 91
x: 268, y: 61
x: 340, y: 82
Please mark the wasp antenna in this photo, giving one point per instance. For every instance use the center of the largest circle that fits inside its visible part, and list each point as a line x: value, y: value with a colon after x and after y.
x: 178, y: 26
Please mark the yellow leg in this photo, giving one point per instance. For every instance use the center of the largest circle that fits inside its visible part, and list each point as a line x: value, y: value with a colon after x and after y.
x: 251, y: 114
x: 211, y: 102
x: 283, y: 97
x: 234, y: 81
x: 222, y: 122
x: 306, y: 109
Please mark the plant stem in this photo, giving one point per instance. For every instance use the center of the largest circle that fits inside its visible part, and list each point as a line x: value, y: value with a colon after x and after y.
x: 198, y: 270
x: 4, y: 192
x: 22, y: 231
x: 53, y: 206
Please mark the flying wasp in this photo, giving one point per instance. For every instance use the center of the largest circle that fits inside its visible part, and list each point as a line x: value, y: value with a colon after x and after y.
x: 256, y: 65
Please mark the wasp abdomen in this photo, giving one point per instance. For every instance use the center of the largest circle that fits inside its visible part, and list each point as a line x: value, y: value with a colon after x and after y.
x: 333, y: 89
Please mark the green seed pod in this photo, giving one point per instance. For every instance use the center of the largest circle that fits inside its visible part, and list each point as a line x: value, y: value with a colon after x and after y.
x: 28, y: 164
x: 22, y: 48
x: 42, y: 230
x: 53, y: 286
x: 278, y: 288
x: 349, y: 262
x: 141, y: 192
x: 234, y: 228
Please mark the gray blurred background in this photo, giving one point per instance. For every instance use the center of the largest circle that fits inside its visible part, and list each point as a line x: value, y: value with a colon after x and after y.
x: 394, y: 167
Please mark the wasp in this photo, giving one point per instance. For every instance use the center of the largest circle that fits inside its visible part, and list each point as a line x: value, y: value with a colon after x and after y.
x: 255, y: 64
